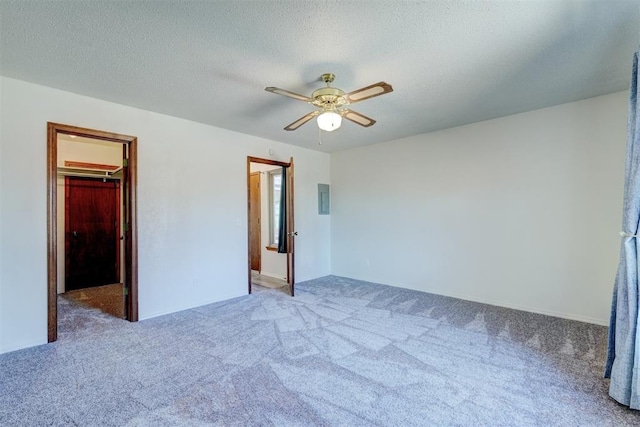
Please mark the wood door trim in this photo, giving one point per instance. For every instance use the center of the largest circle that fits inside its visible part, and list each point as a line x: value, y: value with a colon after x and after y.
x: 291, y: 226
x: 131, y: 257
x: 52, y: 236
x: 132, y: 300
x: 266, y: 162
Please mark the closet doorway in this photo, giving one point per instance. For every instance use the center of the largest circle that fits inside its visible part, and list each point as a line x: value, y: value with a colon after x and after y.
x: 91, y: 221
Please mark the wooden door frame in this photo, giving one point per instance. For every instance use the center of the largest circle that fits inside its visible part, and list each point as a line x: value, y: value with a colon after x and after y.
x: 131, y: 235
x: 291, y: 233
x: 290, y: 268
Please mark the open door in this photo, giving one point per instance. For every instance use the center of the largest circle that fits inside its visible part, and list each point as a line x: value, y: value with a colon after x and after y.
x: 254, y: 222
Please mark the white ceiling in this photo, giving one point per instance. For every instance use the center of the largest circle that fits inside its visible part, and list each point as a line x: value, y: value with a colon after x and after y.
x: 450, y: 62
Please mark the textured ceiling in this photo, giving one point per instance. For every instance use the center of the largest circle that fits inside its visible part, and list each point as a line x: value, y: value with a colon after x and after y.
x: 450, y: 62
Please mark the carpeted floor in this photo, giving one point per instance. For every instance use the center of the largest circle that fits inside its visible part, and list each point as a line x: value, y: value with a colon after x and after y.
x: 342, y: 352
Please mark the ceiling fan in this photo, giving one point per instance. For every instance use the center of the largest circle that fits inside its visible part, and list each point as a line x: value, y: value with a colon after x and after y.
x: 332, y: 103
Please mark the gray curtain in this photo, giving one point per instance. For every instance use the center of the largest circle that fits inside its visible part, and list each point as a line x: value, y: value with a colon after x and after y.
x: 623, y: 354
x: 282, y: 230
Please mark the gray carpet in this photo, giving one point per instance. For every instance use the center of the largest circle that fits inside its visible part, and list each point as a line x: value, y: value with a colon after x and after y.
x: 342, y: 352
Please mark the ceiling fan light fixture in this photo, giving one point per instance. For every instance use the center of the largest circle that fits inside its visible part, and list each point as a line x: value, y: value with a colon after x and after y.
x: 329, y: 121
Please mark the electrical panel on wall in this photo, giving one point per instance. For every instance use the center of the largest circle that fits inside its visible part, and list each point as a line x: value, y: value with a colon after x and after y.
x: 323, y: 199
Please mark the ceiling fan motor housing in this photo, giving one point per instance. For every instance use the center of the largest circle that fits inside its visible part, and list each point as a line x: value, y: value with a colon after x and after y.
x: 328, y: 98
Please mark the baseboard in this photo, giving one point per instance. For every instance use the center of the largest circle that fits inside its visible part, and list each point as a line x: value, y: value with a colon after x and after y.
x: 568, y: 316
x: 178, y: 309
x: 273, y: 275
x: 551, y: 313
x: 22, y: 346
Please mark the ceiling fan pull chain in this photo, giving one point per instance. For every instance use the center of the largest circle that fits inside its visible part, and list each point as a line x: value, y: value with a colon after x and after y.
x: 319, y: 136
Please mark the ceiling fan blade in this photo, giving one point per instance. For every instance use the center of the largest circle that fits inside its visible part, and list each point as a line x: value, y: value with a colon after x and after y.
x: 375, y: 89
x: 358, y: 118
x: 289, y: 94
x: 302, y: 120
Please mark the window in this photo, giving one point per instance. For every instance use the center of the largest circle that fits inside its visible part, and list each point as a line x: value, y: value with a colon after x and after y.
x: 275, y: 184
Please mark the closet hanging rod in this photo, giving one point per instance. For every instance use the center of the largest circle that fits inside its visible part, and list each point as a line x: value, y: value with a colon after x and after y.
x: 89, y: 170
x: 88, y: 175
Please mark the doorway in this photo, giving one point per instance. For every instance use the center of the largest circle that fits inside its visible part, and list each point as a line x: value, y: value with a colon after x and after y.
x: 93, y: 222
x: 271, y: 253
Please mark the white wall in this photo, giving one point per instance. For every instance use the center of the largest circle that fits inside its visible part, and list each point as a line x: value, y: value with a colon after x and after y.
x: 2, y: 190
x: 272, y: 263
x: 86, y: 151
x: 522, y: 211
x: 192, y: 206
